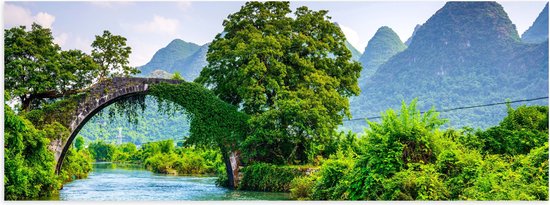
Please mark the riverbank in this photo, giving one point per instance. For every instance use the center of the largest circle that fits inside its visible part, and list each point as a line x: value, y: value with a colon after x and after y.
x: 110, y: 181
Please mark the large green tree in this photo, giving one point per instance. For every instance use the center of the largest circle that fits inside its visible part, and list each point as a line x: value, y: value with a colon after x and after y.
x: 111, y: 53
x: 37, y: 68
x: 293, y: 75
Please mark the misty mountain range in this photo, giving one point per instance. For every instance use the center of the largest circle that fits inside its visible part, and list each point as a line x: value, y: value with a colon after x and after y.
x: 467, y: 53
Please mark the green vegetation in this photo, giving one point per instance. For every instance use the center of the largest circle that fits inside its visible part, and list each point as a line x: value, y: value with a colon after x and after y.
x: 291, y: 75
x: 101, y: 151
x: 407, y: 157
x: 268, y: 177
x: 467, y: 53
x: 111, y: 54
x: 29, y: 165
x: 161, y: 157
x: 150, y: 125
x: 279, y: 87
x: 381, y: 47
x: 37, y: 68
x: 178, y: 56
x: 47, y: 82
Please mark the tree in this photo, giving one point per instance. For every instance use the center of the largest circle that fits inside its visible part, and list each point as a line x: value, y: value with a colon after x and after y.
x: 111, y: 53
x: 37, y: 68
x: 177, y: 76
x: 292, y: 75
x: 79, y: 143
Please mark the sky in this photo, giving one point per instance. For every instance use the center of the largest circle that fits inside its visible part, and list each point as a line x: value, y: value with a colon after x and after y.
x: 150, y: 26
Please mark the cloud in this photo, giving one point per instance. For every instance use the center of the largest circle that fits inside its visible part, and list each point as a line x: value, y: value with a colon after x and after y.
x: 158, y: 24
x: 353, y: 37
x: 83, y: 44
x: 44, y: 19
x: 61, y: 39
x: 16, y: 16
x: 110, y: 4
x: 184, y: 5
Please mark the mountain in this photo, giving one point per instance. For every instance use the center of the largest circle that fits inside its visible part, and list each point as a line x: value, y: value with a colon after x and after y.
x: 355, y: 54
x: 381, y: 47
x: 467, y: 53
x: 538, y: 32
x: 160, y: 74
x: 165, y: 58
x: 190, y: 67
x: 408, y: 42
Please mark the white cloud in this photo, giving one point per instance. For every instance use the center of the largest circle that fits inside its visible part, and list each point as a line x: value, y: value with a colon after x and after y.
x: 159, y: 24
x: 44, y: 19
x: 110, y: 4
x: 61, y: 39
x: 83, y: 44
x: 353, y: 37
x: 16, y: 16
x: 184, y: 5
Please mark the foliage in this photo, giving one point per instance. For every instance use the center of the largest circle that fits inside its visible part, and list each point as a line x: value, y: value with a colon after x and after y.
x: 177, y: 76
x: 301, y: 187
x: 416, y: 183
x: 163, y: 157
x: 79, y: 143
x: 28, y: 164
x: 268, y: 177
x: 111, y: 54
x: 331, y: 175
x: 381, y: 47
x: 102, y: 151
x: 214, y: 123
x: 150, y: 125
x: 76, y: 165
x: 390, y: 146
x: 37, y: 68
x: 523, y: 129
x: 406, y: 157
x: 466, y: 54
x: 292, y: 75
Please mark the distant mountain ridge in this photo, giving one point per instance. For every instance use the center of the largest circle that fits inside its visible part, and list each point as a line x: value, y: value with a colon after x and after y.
x: 178, y: 56
x: 467, y: 53
x: 381, y: 47
x: 538, y: 32
x: 408, y: 42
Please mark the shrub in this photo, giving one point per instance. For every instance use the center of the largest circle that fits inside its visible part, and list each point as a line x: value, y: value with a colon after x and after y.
x: 268, y: 177
x: 420, y: 182
x: 332, y: 173
x: 301, y: 188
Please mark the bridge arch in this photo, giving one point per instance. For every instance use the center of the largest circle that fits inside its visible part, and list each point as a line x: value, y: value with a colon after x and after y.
x: 213, y: 122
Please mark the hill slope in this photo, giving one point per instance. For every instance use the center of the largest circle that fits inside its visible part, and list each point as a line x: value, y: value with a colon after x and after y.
x: 467, y: 53
x: 165, y: 58
x: 538, y: 32
x: 381, y: 47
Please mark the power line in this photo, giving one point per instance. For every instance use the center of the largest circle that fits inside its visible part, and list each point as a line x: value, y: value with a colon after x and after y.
x: 461, y: 108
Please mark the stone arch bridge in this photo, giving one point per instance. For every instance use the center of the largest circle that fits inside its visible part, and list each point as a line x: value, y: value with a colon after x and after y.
x: 101, y: 95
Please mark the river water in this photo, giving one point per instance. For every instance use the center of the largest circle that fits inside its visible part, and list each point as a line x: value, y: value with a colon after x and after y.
x: 113, y: 183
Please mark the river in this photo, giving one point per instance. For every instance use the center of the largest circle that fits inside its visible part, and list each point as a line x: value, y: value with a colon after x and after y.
x: 108, y: 182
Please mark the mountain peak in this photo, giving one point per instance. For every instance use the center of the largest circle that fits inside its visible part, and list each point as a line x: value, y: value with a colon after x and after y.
x: 408, y: 42
x: 468, y: 25
x: 382, y: 46
x: 165, y: 58
x: 538, y: 32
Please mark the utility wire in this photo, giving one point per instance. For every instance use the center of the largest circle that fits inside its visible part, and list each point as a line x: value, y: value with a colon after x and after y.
x: 461, y: 108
